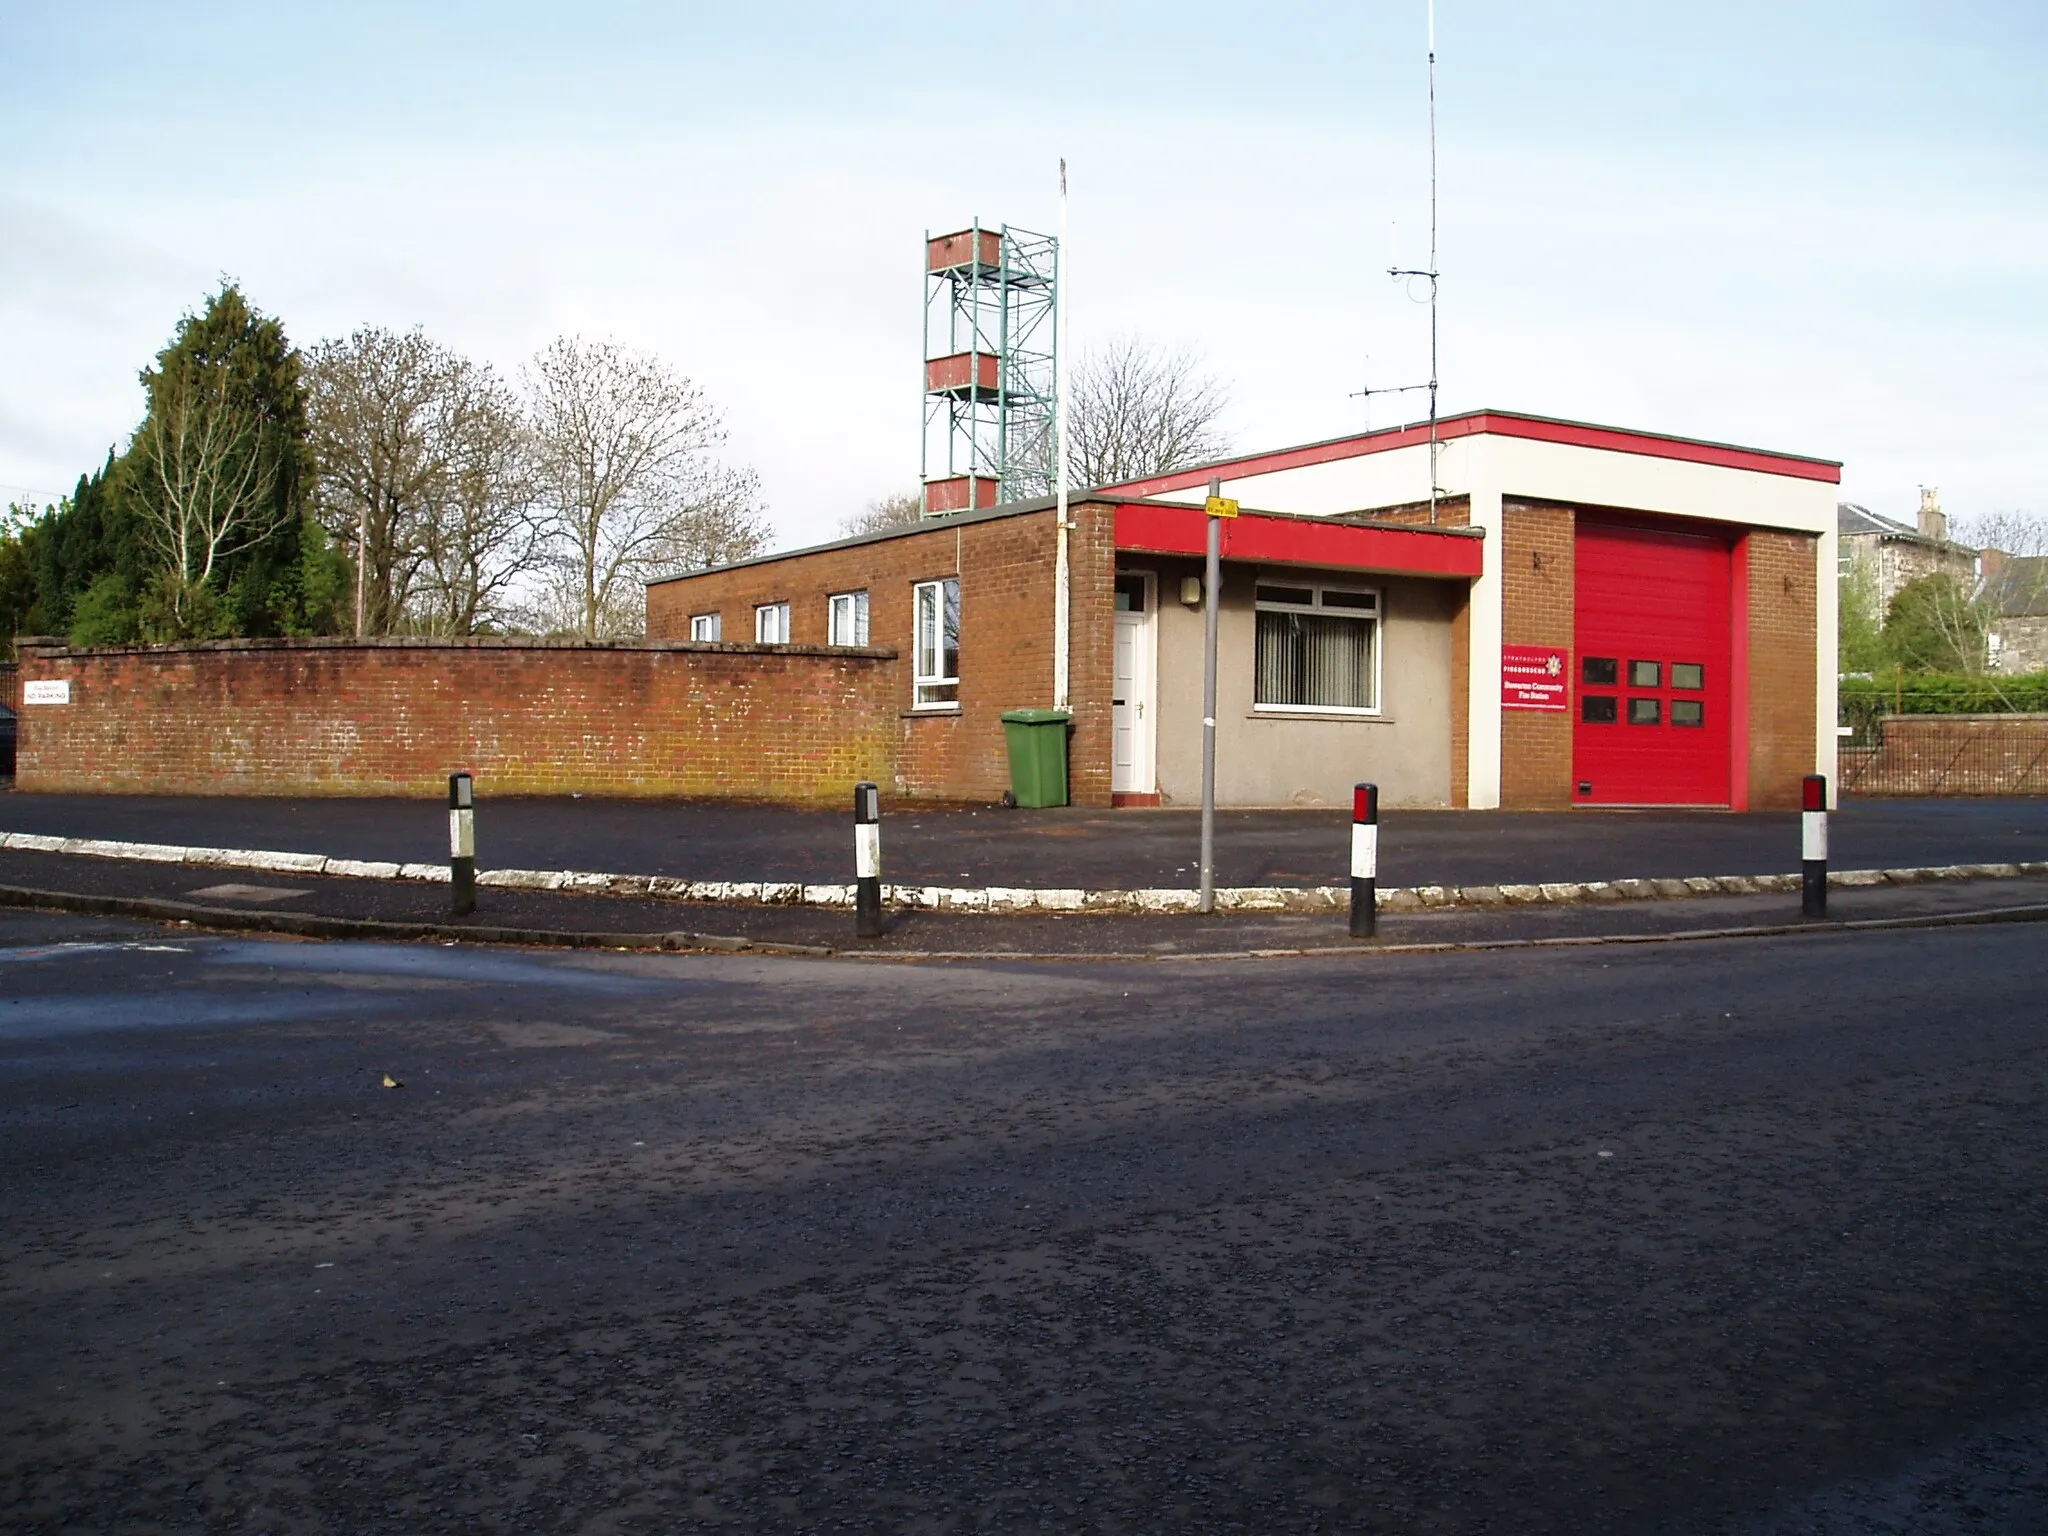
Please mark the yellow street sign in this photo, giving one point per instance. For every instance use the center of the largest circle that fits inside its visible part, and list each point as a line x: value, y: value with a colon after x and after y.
x: 1221, y: 506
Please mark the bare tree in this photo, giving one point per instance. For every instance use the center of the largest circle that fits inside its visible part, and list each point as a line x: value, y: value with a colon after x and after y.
x: 211, y: 484
x: 480, y: 535
x: 892, y: 511
x: 624, y: 447
x: 1136, y: 408
x: 378, y: 405
x: 2009, y: 532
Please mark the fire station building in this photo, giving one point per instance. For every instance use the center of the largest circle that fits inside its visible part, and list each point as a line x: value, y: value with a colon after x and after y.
x: 1581, y: 616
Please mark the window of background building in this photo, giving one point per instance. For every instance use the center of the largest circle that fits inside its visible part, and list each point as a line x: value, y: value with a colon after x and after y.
x: 937, y: 643
x: 1317, y: 647
x: 771, y: 624
x: 706, y: 626
x: 849, y: 611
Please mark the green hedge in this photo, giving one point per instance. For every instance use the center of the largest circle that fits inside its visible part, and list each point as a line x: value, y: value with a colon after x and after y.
x: 1865, y: 699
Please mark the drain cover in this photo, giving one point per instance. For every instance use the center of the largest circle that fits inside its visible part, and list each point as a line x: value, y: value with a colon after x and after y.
x: 247, y: 893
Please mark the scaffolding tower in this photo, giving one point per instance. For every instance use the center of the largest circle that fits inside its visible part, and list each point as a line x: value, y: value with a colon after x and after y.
x: 991, y: 301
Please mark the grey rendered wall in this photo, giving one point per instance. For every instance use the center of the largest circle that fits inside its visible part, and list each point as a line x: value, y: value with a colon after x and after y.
x: 1264, y: 760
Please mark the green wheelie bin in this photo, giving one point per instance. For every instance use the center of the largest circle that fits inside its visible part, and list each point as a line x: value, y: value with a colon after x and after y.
x: 1038, y: 755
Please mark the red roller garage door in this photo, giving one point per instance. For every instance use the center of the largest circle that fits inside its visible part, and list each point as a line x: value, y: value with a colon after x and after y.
x: 1652, y: 623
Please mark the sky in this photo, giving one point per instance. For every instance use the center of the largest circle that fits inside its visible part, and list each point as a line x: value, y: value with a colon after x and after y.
x: 1820, y: 227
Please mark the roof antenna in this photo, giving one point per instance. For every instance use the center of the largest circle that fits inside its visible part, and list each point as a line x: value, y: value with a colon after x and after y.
x: 1399, y: 273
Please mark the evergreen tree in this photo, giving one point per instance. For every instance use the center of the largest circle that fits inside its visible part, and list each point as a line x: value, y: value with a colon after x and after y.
x: 90, y: 563
x: 1936, y: 624
x: 217, y: 476
x: 21, y: 611
x: 200, y: 528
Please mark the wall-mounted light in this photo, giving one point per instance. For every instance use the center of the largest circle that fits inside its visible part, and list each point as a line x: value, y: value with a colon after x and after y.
x: 1191, y: 591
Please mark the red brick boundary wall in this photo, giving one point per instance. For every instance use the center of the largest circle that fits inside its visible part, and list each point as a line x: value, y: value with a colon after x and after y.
x: 396, y: 717
x: 1951, y: 755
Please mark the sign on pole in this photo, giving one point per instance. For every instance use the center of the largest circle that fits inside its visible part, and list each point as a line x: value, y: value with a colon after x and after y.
x: 1221, y: 506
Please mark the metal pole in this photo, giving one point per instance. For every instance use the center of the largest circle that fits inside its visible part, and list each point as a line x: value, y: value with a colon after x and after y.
x: 1433, y: 482
x: 1210, y: 581
x: 1062, y: 578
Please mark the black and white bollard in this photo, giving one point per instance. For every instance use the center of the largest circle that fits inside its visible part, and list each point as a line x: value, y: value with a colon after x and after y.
x: 1813, y: 846
x: 1365, y: 861
x: 867, y: 861
x: 462, y: 842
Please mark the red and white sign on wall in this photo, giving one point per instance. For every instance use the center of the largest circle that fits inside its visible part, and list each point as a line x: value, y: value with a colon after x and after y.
x: 1534, y: 677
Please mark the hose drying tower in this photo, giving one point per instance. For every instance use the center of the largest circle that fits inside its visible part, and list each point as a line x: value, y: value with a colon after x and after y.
x: 991, y: 303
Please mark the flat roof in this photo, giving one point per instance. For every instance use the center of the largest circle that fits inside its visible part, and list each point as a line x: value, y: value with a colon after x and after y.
x: 1581, y: 434
x: 1555, y: 429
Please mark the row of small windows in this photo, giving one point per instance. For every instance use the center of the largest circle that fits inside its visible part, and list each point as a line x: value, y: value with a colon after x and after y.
x: 1605, y: 671
x: 1605, y: 709
x: 847, y: 622
x: 935, y: 609
x: 1317, y: 647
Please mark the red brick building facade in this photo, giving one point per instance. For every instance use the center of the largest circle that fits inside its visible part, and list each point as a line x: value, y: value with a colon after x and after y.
x: 1582, y: 616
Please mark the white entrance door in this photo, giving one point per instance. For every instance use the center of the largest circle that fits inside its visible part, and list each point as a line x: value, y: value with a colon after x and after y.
x: 1132, y: 707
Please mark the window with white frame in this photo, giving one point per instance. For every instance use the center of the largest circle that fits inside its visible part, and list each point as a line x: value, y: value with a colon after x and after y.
x: 849, y: 612
x: 771, y: 624
x: 937, y: 643
x: 1317, y: 648
x: 706, y: 626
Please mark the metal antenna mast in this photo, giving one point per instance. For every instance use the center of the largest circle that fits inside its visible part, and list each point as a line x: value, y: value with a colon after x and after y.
x: 1399, y: 273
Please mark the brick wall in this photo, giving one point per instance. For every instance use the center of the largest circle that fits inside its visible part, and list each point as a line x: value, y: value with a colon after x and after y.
x: 1537, y: 608
x: 1005, y: 564
x: 9, y: 702
x: 1451, y: 512
x: 1951, y: 755
x: 1782, y: 657
x: 397, y: 716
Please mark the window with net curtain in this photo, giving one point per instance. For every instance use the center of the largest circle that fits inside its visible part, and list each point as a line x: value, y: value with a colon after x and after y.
x: 1317, y: 648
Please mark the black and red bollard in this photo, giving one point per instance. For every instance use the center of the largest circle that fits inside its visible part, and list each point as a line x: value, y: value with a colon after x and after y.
x: 1365, y: 860
x: 867, y: 861
x: 462, y: 842
x: 1813, y: 846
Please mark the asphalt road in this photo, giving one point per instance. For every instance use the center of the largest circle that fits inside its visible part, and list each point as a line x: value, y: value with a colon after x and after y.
x: 1710, y: 1237
x: 1098, y: 849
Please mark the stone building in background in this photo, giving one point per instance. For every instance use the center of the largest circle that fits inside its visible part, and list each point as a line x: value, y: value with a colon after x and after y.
x: 2016, y: 592
x: 1897, y: 553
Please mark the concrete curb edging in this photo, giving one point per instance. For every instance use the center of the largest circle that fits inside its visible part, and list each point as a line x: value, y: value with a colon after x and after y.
x: 307, y: 925
x: 310, y: 925
x: 1007, y: 899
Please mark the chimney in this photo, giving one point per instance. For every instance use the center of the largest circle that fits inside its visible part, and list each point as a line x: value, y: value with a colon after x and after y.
x: 1933, y: 521
x: 1989, y: 563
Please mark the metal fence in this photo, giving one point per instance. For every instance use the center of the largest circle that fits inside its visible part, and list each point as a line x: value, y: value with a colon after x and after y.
x: 1905, y: 754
